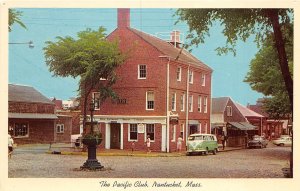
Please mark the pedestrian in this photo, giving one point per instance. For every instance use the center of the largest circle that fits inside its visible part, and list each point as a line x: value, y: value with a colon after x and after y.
x: 246, y: 140
x: 10, y: 145
x: 179, y: 143
x: 148, y: 144
x: 223, y: 141
x: 132, y: 146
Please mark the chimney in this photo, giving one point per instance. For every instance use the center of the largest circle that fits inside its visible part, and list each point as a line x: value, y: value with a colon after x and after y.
x: 175, y: 38
x: 123, y: 17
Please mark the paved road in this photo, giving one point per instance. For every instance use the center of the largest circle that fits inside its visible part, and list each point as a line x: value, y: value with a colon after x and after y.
x: 247, y: 163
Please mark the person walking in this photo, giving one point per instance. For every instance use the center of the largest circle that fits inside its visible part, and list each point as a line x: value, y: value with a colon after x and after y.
x: 148, y: 144
x: 179, y: 143
x: 10, y: 145
x: 223, y: 139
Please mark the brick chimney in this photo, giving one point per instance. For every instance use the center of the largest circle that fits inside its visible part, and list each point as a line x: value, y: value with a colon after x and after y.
x: 123, y: 17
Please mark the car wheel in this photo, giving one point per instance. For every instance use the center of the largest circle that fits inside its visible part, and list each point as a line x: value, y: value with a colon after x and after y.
x: 281, y: 144
x: 206, y: 152
x: 188, y: 154
x: 214, y: 151
x: 261, y: 146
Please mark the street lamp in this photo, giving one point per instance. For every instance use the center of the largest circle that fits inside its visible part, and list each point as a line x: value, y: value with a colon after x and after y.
x: 30, y: 43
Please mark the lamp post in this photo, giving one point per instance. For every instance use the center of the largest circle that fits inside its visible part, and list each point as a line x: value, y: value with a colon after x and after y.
x: 30, y: 43
x: 91, y: 141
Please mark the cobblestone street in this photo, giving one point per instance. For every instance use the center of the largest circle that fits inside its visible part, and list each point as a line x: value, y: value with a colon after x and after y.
x: 245, y: 163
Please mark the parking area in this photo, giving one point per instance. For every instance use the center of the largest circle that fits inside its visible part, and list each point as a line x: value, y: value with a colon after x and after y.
x: 245, y: 163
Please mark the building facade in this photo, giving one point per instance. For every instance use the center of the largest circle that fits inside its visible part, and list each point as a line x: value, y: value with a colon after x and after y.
x: 163, y: 92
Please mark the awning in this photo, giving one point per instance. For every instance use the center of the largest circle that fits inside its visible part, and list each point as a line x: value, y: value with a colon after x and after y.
x: 243, y: 125
x: 32, y: 116
x: 193, y: 122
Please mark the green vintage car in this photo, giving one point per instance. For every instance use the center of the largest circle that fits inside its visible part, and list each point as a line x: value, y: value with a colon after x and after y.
x: 202, y: 143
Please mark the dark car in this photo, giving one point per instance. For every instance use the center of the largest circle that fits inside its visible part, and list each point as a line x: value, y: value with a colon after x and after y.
x: 257, y: 142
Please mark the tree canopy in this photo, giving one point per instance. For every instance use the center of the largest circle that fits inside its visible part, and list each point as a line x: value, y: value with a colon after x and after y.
x: 14, y: 17
x: 91, y: 57
x: 240, y: 24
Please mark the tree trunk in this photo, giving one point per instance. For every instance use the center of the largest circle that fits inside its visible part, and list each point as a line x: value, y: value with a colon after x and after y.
x: 283, y: 62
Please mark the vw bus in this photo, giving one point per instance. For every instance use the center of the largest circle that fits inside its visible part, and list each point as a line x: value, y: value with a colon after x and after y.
x: 202, y: 143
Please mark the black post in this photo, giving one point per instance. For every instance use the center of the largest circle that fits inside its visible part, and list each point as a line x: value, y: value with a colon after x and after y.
x: 92, y: 163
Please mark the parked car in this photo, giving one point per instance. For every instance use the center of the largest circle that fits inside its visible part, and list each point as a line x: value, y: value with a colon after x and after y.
x: 202, y: 143
x: 283, y: 141
x: 258, y: 142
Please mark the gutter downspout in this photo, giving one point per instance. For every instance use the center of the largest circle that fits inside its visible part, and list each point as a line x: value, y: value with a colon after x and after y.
x: 187, y: 106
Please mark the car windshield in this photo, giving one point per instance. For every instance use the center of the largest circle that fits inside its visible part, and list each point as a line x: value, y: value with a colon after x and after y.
x: 192, y: 138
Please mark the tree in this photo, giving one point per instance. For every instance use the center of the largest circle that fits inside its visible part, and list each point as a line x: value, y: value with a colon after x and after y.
x: 264, y: 75
x: 14, y: 17
x: 241, y: 24
x: 89, y: 57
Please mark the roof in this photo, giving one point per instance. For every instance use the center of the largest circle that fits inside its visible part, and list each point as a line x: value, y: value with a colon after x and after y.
x: 170, y: 50
x: 243, y: 125
x: 219, y: 104
x: 247, y: 112
x: 31, y: 116
x: 258, y: 109
x: 22, y: 93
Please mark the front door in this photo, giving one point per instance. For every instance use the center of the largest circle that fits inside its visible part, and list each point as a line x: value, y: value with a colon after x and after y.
x: 193, y: 129
x: 115, y: 135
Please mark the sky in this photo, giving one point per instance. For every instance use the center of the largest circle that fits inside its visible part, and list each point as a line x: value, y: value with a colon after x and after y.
x: 27, y: 66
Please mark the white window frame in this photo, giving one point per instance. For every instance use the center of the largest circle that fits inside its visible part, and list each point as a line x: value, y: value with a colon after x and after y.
x: 191, y: 76
x: 190, y: 103
x: 178, y: 74
x: 205, y: 127
x: 61, y: 128
x: 174, y: 133
x: 145, y: 135
x: 151, y: 109
x: 182, y: 130
x: 139, y: 72
x: 173, y: 106
x: 182, y: 102
x: 129, y: 128
x: 199, y: 103
x: 200, y: 128
x: 93, y: 98
x: 205, y: 104
x: 229, y: 111
x: 203, y: 79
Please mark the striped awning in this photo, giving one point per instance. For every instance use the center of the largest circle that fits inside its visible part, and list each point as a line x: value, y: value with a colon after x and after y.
x: 32, y: 116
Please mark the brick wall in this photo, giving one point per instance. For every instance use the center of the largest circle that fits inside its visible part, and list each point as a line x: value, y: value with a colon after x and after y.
x: 75, y: 120
x: 66, y: 135
x: 21, y: 107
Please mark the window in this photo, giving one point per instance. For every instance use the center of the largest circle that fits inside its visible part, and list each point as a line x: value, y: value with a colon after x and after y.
x: 96, y: 100
x: 150, y: 131
x: 174, y: 102
x: 21, y: 130
x: 205, y: 104
x: 182, y: 130
x: 182, y: 100
x: 133, y: 132
x: 190, y: 103
x: 199, y: 103
x: 174, y: 133
x: 205, y: 127
x: 199, y: 128
x: 190, y: 76
x: 203, y: 76
x: 179, y: 74
x: 229, y: 111
x: 60, y: 128
x: 150, y: 100
x: 142, y: 72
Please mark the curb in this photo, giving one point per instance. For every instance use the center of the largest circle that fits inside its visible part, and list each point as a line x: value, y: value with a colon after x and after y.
x: 115, y: 154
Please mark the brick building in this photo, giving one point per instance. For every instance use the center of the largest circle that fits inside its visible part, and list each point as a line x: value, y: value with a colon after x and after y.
x: 163, y: 93
x: 32, y: 117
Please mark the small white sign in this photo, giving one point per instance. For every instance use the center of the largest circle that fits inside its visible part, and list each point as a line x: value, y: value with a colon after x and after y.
x: 141, y: 128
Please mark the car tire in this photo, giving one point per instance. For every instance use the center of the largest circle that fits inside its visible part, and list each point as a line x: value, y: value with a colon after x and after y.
x: 206, y: 152
x: 214, y: 151
x: 261, y: 146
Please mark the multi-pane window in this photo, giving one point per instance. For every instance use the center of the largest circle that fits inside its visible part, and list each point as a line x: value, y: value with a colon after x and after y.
x: 133, y: 132
x: 21, y: 129
x: 96, y: 100
x: 150, y: 100
x: 60, y: 128
x: 182, y: 100
x: 205, y: 104
x: 174, y: 102
x: 190, y: 76
x: 203, y: 76
x: 229, y: 111
x: 150, y: 131
x: 179, y: 74
x: 190, y: 103
x: 182, y: 130
x: 142, y: 72
x: 174, y: 133
x: 199, y: 103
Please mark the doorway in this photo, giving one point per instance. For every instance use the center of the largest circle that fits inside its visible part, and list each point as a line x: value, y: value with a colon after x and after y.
x: 193, y: 129
x: 115, y: 135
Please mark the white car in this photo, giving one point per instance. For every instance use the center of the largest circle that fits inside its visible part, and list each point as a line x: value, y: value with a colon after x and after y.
x: 283, y: 141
